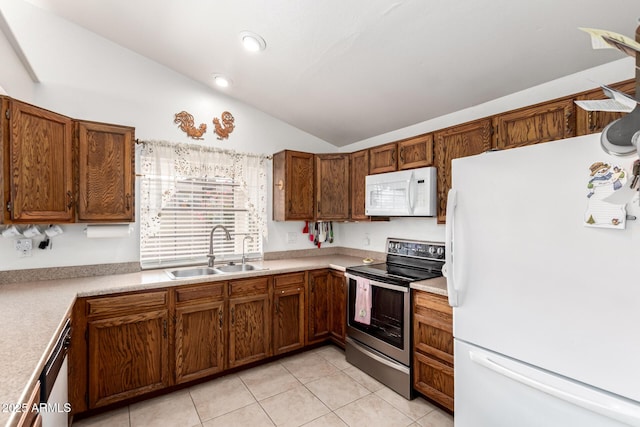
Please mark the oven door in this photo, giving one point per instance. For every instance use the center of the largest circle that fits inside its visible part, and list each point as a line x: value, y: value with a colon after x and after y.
x: 389, y: 329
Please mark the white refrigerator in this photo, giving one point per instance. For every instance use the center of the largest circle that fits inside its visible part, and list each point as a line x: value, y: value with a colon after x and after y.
x: 546, y: 310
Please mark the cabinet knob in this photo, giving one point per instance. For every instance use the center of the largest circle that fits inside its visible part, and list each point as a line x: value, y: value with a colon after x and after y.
x: 128, y: 197
x: 69, y: 199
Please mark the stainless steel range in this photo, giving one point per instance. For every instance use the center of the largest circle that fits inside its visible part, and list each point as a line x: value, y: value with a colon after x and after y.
x: 379, y: 310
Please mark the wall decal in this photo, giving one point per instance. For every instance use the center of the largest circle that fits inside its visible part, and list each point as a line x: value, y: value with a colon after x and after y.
x: 227, y: 120
x: 187, y: 124
x: 605, y: 179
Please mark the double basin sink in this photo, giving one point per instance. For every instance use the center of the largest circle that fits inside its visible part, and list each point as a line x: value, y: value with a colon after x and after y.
x: 209, y: 271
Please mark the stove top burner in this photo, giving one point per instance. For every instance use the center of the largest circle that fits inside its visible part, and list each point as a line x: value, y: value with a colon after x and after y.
x: 407, y: 261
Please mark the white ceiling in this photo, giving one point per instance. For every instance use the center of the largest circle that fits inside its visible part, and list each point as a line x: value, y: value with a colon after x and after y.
x: 347, y: 70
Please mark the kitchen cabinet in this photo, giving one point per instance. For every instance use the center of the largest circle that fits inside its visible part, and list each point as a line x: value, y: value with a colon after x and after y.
x: 128, y: 346
x: 359, y: 170
x: 332, y: 187
x: 250, y: 321
x: 415, y: 152
x: 338, y: 307
x: 37, y: 164
x: 106, y: 182
x: 293, y: 186
x: 457, y: 141
x: 594, y: 121
x: 200, y: 328
x: 383, y: 158
x: 433, y: 347
x: 288, y: 312
x: 543, y: 122
x: 318, y: 306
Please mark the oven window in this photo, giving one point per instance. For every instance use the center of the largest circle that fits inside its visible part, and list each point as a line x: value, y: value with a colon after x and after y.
x: 387, y: 315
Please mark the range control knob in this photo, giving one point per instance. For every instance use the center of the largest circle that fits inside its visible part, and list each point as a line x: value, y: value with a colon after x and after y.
x: 432, y: 250
x: 440, y: 251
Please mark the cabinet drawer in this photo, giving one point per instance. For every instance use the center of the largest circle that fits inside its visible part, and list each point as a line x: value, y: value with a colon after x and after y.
x: 200, y: 293
x: 288, y: 280
x: 249, y: 287
x: 126, y: 303
x: 433, y: 379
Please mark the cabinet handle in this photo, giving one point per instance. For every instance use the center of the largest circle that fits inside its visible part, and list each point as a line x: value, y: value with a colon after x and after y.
x: 393, y: 156
x: 277, y: 307
x: 233, y: 315
x: 128, y: 206
x: 220, y: 316
x: 164, y: 328
x: 69, y: 199
x: 402, y: 155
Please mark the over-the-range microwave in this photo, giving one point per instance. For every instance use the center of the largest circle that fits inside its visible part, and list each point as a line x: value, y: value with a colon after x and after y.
x: 404, y: 193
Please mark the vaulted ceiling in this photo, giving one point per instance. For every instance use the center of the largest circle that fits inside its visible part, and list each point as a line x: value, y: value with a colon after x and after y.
x: 346, y: 70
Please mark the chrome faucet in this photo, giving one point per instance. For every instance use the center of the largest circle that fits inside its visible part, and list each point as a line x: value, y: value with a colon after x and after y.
x: 243, y: 240
x: 211, y: 256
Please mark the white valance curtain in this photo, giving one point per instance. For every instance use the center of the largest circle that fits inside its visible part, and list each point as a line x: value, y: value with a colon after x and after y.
x: 175, y: 161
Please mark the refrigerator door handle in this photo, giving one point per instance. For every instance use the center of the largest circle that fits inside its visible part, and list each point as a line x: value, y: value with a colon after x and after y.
x: 448, y: 269
x: 606, y: 405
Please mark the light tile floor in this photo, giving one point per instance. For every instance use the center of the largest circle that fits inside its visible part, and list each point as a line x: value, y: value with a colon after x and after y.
x: 317, y: 388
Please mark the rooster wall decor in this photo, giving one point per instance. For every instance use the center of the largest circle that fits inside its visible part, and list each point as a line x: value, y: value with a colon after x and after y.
x: 187, y: 124
x: 227, y: 126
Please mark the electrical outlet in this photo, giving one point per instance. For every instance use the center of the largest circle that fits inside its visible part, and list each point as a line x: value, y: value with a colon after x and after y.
x: 24, y: 246
x: 292, y: 237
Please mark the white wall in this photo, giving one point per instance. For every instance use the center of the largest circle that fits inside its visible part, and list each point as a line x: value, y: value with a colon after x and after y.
x: 85, y: 76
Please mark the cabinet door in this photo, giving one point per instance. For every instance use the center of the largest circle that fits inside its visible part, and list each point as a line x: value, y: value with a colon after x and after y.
x: 433, y: 347
x: 293, y: 180
x: 318, y: 307
x: 249, y: 326
x: 594, y: 121
x: 454, y: 142
x: 415, y: 152
x: 338, y: 319
x: 199, y: 346
x: 531, y: 125
x: 105, y: 172
x: 40, y: 172
x: 288, y: 319
x: 383, y: 158
x: 359, y: 170
x: 128, y: 356
x: 332, y: 187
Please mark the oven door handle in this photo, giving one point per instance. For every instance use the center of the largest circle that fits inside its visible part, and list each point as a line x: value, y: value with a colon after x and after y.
x: 380, y: 284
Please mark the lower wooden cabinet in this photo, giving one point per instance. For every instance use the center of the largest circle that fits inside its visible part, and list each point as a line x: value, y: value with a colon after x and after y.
x: 288, y: 312
x: 433, y: 347
x: 249, y: 321
x: 318, y: 306
x: 338, y: 307
x: 200, y: 329
x: 128, y: 355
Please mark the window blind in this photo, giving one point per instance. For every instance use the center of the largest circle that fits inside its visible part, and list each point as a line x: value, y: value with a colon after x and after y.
x: 188, y: 214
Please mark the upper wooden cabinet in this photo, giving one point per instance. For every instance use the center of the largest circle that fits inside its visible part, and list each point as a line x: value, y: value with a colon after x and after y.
x: 37, y: 164
x: 51, y: 177
x: 383, y: 158
x: 332, y: 187
x: 454, y: 142
x: 594, y: 121
x: 106, y: 183
x: 293, y: 184
x: 415, y: 152
x: 359, y: 171
x: 531, y: 125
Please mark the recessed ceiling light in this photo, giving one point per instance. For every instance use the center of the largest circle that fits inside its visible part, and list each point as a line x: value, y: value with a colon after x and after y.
x: 221, y: 80
x: 252, y: 41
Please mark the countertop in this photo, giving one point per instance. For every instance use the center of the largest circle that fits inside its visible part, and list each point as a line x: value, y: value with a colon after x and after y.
x: 33, y: 314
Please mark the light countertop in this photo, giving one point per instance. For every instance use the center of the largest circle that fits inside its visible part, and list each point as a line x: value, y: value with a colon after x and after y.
x: 33, y: 314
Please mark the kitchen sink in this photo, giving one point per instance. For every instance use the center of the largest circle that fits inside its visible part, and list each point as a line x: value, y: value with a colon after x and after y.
x: 208, y: 271
x: 192, y: 272
x: 234, y: 268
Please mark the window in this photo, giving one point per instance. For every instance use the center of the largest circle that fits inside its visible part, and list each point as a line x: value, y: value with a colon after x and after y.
x: 186, y: 191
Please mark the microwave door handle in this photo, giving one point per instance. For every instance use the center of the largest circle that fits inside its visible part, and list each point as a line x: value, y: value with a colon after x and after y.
x: 411, y: 191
